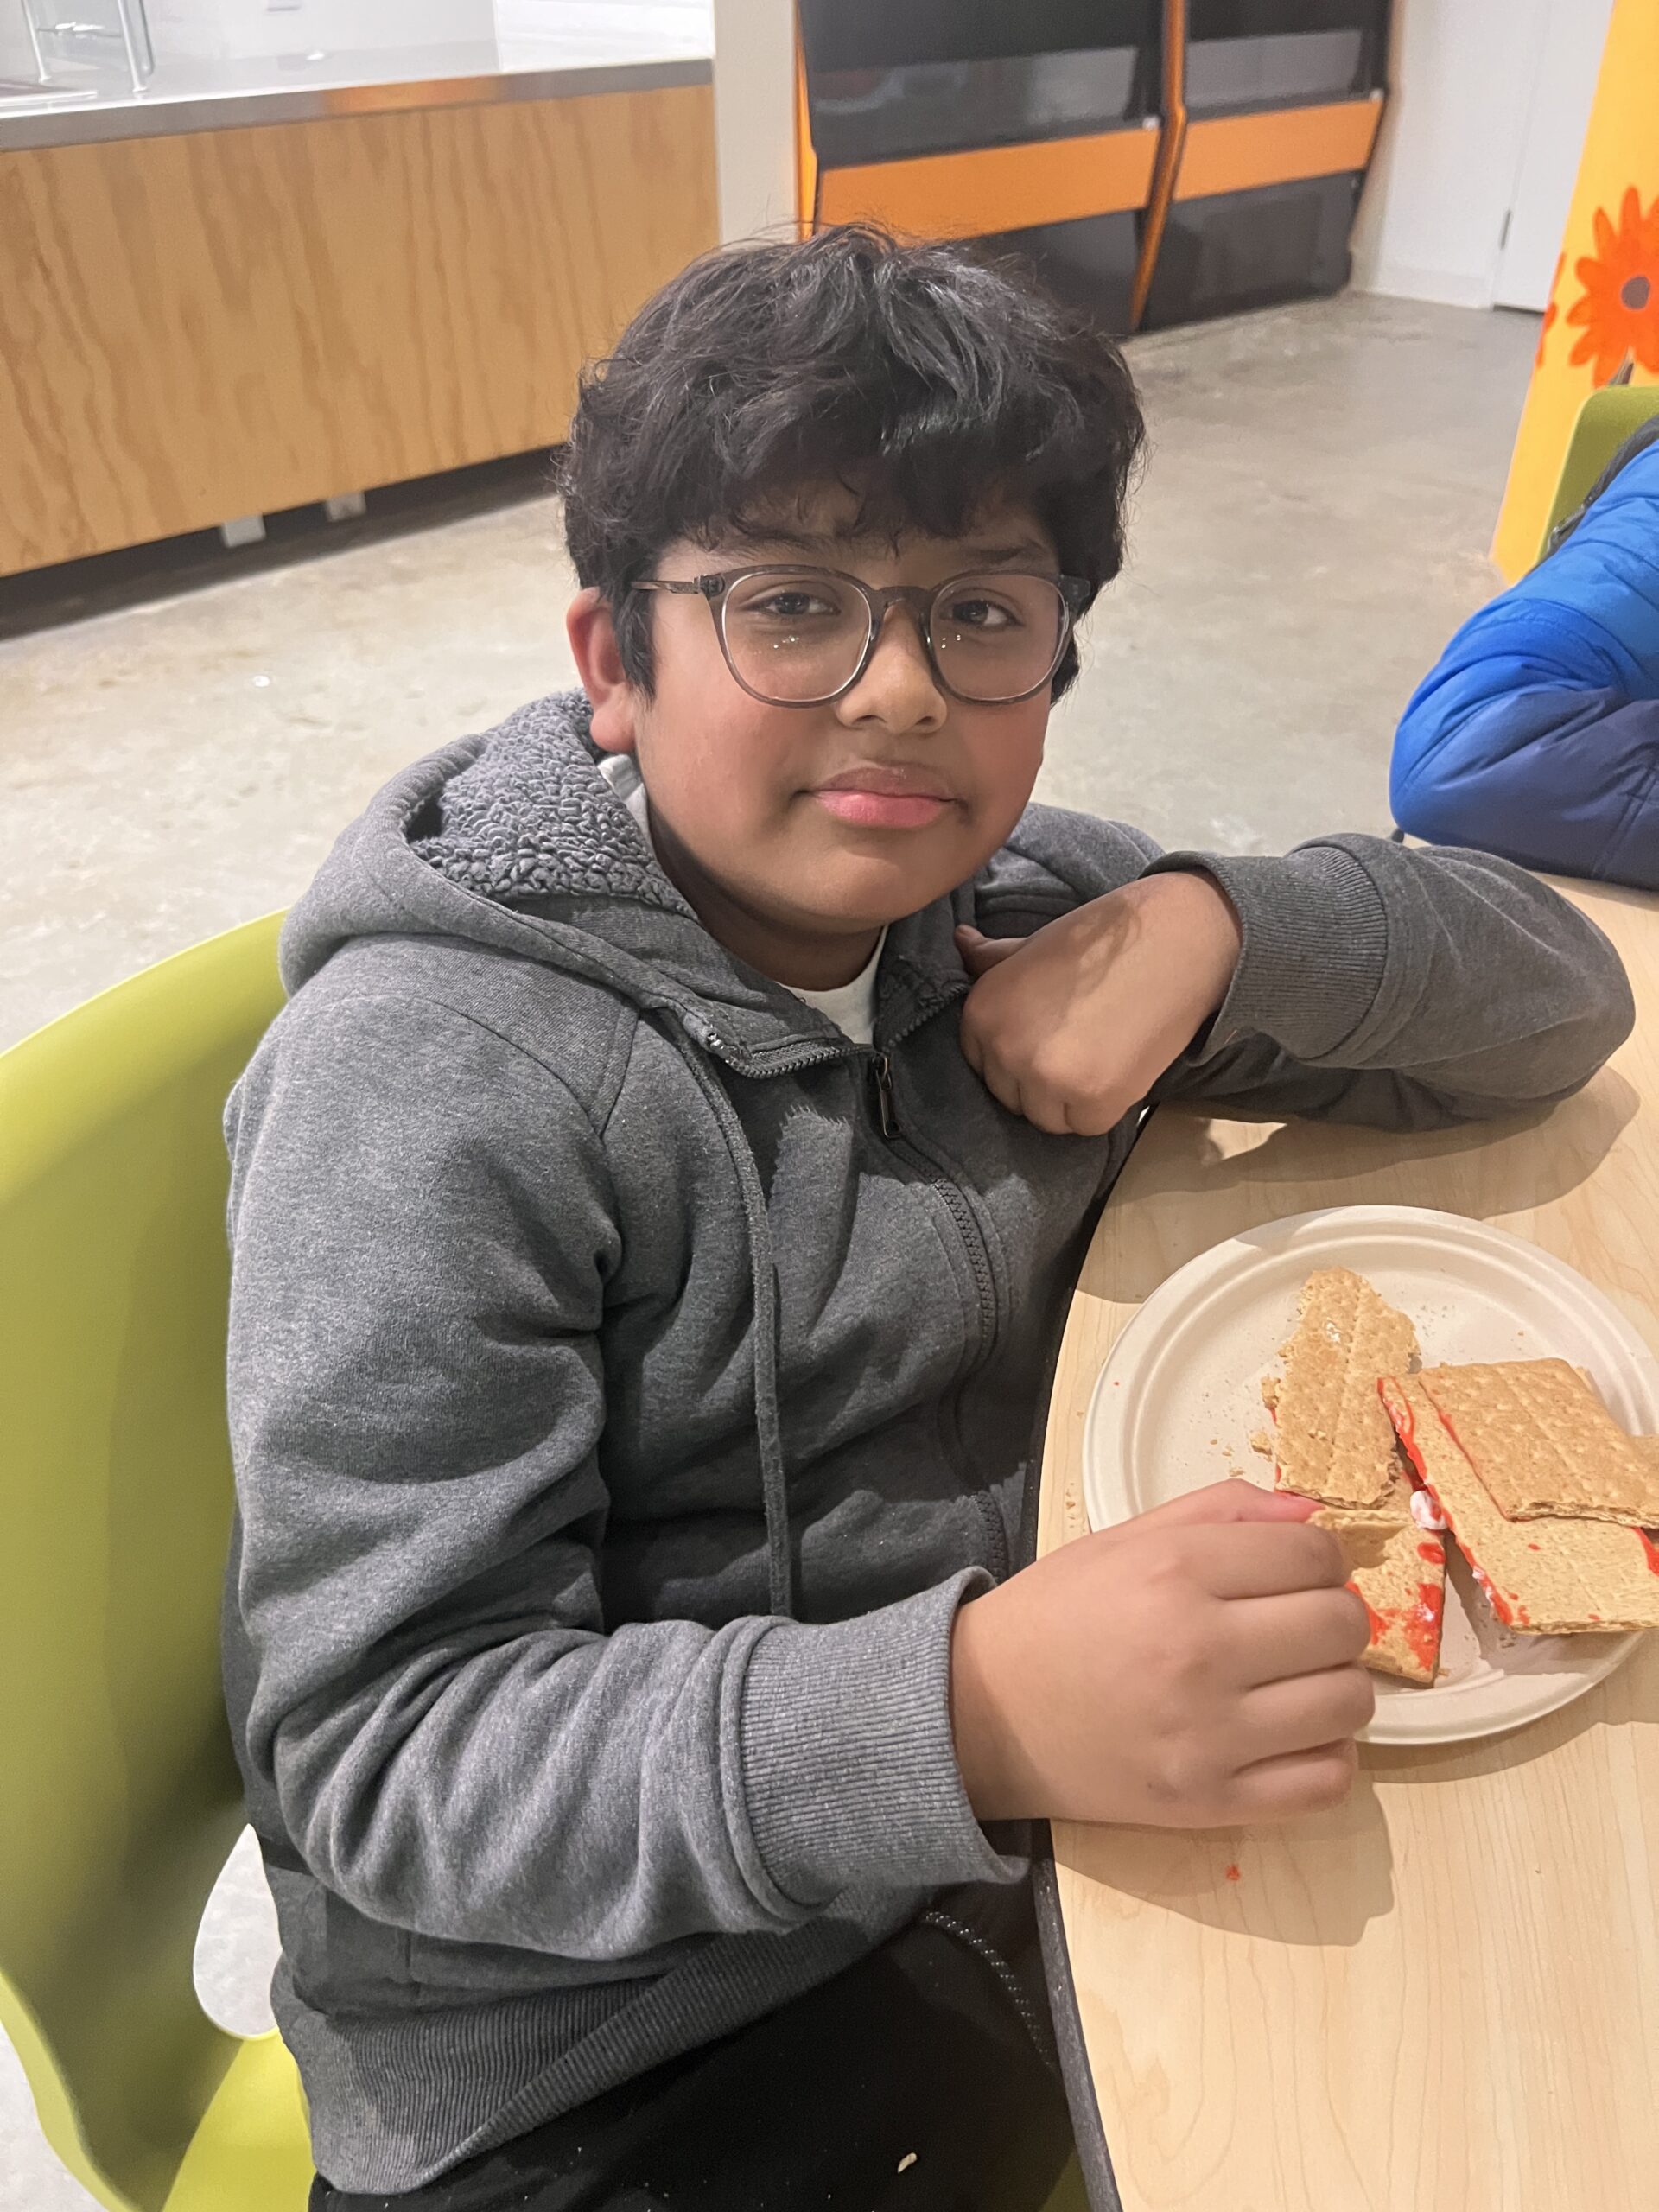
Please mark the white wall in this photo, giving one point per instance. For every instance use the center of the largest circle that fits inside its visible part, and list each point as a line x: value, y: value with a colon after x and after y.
x: 1432, y: 221
x: 1563, y: 96
x: 247, y: 30
x: 754, y: 114
x: 16, y: 57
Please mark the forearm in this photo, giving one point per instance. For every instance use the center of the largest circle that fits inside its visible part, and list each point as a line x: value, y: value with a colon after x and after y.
x: 1451, y: 971
x: 601, y: 1798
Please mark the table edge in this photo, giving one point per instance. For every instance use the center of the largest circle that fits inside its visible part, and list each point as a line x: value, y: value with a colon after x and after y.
x: 1076, y: 2076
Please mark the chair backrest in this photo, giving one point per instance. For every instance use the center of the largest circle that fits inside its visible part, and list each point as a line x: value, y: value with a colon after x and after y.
x: 1606, y: 420
x: 119, y: 1799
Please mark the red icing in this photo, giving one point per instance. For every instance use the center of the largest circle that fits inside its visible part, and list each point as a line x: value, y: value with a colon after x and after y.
x: 1429, y: 1551
x: 1422, y: 1626
x: 1405, y: 1421
x: 1535, y: 1547
x: 1234, y: 1874
x: 1405, y: 1427
x: 1649, y: 1551
x: 1510, y: 1615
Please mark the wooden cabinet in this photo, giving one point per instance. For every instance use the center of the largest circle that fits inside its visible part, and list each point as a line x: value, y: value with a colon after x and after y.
x: 232, y: 321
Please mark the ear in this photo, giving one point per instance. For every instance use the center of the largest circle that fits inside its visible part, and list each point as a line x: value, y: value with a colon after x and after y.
x: 592, y: 632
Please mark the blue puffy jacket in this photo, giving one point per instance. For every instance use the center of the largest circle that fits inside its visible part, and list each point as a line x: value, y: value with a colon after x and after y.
x: 1537, y: 735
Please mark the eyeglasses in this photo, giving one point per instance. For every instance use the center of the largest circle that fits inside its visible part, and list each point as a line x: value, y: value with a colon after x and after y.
x: 804, y: 637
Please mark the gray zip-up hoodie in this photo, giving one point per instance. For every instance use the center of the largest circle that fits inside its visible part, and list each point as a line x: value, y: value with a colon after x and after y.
x: 629, y: 1376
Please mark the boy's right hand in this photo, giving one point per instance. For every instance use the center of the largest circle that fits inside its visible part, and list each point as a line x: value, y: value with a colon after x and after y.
x: 1194, y: 1668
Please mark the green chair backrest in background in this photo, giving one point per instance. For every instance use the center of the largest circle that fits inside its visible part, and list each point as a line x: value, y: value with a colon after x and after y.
x: 1606, y: 420
x: 119, y: 1799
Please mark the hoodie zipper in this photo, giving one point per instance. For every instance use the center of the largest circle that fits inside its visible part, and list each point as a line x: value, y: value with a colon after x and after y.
x: 886, y: 1114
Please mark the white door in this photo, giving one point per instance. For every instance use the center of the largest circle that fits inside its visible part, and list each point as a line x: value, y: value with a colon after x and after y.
x: 1557, y: 115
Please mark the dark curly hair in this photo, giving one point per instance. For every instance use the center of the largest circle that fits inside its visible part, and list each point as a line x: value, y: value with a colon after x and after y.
x: 927, y: 380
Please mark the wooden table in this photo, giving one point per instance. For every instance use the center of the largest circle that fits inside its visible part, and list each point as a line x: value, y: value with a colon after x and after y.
x: 1444, y: 1997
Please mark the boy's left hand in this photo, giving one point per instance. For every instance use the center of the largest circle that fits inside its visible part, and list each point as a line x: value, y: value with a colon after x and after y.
x: 1072, y: 1027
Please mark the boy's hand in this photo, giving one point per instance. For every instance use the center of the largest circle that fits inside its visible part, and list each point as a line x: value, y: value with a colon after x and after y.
x: 1195, y: 1668
x: 1073, y: 1026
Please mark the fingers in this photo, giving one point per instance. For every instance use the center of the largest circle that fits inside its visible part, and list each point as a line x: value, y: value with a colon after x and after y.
x: 1256, y: 1558
x: 1277, y: 1638
x: 1285, y: 1787
x: 1059, y: 1108
x: 1302, y: 1714
x: 980, y: 953
x: 1232, y: 1500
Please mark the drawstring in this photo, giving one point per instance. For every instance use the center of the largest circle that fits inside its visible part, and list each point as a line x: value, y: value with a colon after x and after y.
x: 763, y: 1275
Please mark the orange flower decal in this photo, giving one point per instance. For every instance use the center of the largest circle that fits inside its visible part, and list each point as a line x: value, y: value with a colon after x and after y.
x: 1551, y: 310
x: 1618, y: 309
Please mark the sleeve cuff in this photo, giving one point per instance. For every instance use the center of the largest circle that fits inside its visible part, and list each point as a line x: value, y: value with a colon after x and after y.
x: 1314, y: 950
x: 849, y: 1764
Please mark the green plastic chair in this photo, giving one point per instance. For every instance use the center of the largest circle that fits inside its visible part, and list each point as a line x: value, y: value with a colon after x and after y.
x: 119, y: 1798
x: 1606, y: 420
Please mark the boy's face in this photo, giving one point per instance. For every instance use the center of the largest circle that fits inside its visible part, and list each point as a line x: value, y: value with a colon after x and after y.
x: 796, y: 832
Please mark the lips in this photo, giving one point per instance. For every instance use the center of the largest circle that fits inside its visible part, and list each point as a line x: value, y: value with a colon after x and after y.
x: 872, y: 796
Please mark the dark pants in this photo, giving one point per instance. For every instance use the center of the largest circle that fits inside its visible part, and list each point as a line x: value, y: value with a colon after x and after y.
x: 924, y: 2079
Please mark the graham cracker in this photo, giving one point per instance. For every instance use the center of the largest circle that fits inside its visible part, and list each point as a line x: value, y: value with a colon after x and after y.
x: 1543, y: 1577
x: 1543, y: 1442
x: 1398, y: 1570
x: 1333, y: 1442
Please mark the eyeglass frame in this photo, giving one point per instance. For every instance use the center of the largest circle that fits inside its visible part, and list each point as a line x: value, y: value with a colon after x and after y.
x: 715, y: 587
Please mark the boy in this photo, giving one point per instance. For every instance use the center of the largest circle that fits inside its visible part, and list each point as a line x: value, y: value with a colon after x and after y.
x: 1538, y: 733
x: 651, y: 1216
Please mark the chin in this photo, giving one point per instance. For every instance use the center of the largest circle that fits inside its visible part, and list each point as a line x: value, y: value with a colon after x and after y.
x: 899, y: 876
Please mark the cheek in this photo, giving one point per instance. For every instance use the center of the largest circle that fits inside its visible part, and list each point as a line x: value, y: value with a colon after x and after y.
x: 1005, y: 753
x: 712, y: 769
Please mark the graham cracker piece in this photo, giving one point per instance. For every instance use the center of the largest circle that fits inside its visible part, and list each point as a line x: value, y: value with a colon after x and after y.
x: 1398, y: 1570
x: 1543, y: 1442
x: 1333, y: 1442
x: 1543, y: 1577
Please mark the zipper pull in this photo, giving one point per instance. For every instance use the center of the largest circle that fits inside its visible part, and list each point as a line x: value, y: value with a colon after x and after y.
x: 882, y: 1091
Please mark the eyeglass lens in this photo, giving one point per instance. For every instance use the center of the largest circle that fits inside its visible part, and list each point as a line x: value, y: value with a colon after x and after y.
x: 795, y: 638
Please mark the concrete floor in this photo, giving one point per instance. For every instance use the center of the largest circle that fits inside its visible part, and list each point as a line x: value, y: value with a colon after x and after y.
x: 1312, y: 525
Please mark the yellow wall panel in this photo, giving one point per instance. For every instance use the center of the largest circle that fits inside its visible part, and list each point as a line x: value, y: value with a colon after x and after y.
x: 1602, y: 323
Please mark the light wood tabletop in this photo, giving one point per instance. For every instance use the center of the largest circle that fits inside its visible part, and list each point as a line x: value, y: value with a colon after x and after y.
x: 1444, y: 1997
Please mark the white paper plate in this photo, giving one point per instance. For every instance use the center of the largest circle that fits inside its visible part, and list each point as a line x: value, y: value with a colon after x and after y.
x: 1178, y: 1397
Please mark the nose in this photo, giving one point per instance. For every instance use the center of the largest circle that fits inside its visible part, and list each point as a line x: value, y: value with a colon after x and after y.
x: 898, y: 688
